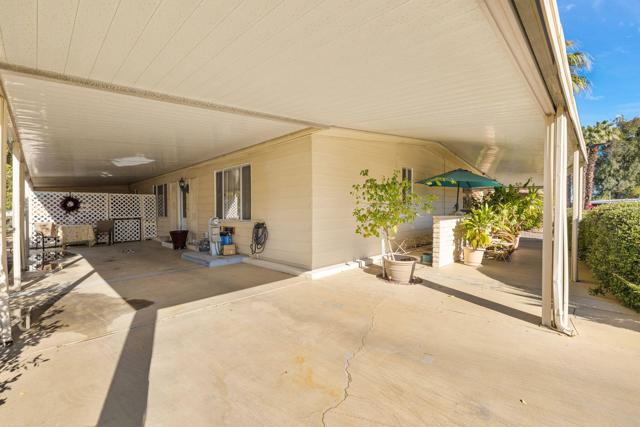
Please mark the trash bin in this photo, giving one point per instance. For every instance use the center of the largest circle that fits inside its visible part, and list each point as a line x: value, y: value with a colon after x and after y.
x: 179, y: 238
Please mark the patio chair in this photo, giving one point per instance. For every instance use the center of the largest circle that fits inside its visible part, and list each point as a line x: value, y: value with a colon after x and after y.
x: 501, y: 248
x: 47, y: 232
x: 105, y: 227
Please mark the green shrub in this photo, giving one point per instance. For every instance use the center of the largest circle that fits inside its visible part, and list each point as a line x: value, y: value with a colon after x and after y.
x: 520, y: 210
x: 610, y: 244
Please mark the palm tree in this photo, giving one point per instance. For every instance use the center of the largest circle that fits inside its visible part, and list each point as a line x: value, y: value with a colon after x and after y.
x: 596, y: 136
x: 579, y: 64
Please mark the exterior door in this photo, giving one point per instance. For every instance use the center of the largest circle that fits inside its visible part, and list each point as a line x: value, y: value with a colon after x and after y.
x: 183, y: 208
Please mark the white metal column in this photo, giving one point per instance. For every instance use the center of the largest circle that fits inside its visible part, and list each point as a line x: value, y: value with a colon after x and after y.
x: 581, y: 193
x: 25, y: 218
x: 5, y: 319
x: 560, y: 244
x: 555, y: 250
x: 575, y: 217
x: 547, y: 240
x: 17, y: 214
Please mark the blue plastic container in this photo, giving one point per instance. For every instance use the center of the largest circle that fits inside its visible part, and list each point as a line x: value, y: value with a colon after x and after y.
x: 225, y: 239
x: 427, y: 258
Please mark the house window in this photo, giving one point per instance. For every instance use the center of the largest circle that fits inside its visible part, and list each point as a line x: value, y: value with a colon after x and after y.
x: 233, y: 193
x: 407, y: 175
x: 160, y: 192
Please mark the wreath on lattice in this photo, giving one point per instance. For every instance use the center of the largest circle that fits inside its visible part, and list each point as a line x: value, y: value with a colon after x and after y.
x: 70, y: 204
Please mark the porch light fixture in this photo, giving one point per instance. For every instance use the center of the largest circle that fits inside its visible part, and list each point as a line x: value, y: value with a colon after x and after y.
x: 184, y: 187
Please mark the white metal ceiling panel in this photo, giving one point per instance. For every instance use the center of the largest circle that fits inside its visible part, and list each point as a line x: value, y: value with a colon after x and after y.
x: 80, y: 136
x: 55, y: 28
x: 430, y: 69
x: 92, y: 23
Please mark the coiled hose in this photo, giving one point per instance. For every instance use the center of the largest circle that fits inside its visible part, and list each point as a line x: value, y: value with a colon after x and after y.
x: 259, y: 238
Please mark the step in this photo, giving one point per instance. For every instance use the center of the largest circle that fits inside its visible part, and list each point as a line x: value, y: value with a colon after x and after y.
x: 208, y: 260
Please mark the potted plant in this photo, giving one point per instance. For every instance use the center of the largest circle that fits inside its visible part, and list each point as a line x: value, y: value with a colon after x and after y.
x: 516, y: 210
x: 382, y: 205
x: 477, y: 226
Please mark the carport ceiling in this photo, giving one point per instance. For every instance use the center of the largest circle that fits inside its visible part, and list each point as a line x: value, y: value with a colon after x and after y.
x: 77, y: 136
x: 435, y: 70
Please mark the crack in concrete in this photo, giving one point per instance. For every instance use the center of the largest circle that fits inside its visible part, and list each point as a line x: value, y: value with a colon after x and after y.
x: 347, y: 365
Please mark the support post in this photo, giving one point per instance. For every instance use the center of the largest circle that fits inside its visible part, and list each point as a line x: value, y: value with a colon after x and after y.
x: 383, y: 252
x: 17, y: 213
x: 25, y: 225
x: 547, y: 240
x: 575, y: 214
x: 560, y: 246
x: 5, y: 318
x: 581, y: 193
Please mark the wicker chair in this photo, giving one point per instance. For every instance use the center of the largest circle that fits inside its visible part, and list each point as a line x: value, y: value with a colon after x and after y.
x: 105, y: 227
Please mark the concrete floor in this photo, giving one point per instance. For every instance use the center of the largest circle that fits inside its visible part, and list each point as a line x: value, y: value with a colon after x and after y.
x: 144, y: 338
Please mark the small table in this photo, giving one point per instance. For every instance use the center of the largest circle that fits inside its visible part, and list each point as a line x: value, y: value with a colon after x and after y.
x: 74, y: 234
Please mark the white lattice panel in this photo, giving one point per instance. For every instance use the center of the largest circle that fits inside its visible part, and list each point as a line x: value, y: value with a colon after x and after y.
x: 150, y: 230
x: 127, y: 230
x: 44, y: 206
x: 125, y: 206
x: 93, y: 208
x: 149, y: 206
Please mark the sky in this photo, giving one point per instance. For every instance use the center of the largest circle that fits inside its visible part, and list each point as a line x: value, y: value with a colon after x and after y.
x: 609, y: 30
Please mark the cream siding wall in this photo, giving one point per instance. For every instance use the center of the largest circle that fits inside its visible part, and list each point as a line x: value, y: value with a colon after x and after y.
x: 338, y: 157
x: 301, y: 188
x: 281, y: 196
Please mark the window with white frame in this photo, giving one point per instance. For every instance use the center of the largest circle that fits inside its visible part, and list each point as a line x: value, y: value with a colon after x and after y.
x: 160, y: 192
x: 233, y: 193
x: 407, y: 175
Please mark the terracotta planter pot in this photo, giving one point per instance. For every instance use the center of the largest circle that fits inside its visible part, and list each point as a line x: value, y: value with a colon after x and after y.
x: 400, y: 269
x: 179, y: 238
x: 473, y: 257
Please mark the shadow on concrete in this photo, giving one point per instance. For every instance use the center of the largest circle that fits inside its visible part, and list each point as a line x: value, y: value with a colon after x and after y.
x: 483, y: 302
x: 44, y: 325
x: 524, y: 276
x: 149, y: 278
x: 126, y: 401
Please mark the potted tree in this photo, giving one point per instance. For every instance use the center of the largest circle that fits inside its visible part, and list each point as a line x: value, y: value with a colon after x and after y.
x: 382, y: 205
x: 477, y: 226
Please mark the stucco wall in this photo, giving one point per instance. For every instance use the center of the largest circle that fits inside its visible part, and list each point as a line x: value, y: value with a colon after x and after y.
x: 338, y: 156
x: 281, y: 196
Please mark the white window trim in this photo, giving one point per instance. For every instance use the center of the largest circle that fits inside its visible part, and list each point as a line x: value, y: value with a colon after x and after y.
x: 215, y: 192
x: 165, y: 201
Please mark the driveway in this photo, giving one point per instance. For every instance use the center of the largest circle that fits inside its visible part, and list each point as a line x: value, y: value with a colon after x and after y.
x: 140, y: 337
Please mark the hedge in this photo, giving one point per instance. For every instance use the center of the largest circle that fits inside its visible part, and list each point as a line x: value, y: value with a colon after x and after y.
x: 610, y: 244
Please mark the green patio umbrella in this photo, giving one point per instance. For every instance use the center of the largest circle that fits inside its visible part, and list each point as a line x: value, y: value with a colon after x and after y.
x: 460, y: 178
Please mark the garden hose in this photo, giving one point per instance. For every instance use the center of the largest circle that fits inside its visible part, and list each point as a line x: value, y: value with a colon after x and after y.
x: 259, y: 238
